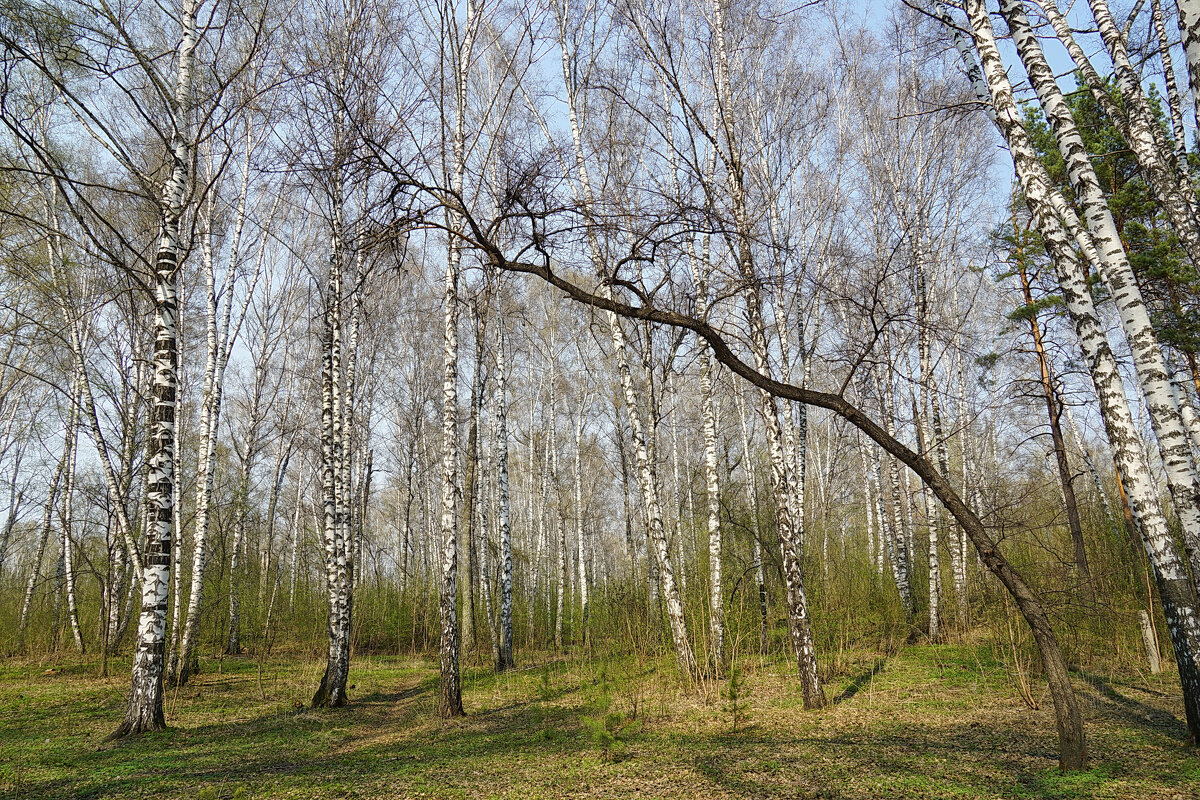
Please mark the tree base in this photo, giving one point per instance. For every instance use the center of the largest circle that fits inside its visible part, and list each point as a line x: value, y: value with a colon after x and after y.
x: 328, y: 696
x: 136, y: 727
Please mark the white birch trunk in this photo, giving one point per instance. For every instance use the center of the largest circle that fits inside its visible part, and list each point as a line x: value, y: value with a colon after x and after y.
x: 789, y: 518
x: 505, y: 659
x: 943, y: 457
x: 716, y: 597
x: 958, y: 547
x: 581, y: 559
x: 680, y: 555
x: 647, y: 482
x: 1174, y: 105
x: 1189, y: 28
x: 71, y: 445
x: 145, y: 711
x: 1176, y: 590
x: 1117, y: 273
x: 450, y: 696
x: 931, y: 525
x: 897, y: 541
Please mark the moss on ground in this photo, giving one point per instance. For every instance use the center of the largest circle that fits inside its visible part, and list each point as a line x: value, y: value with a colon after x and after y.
x: 929, y: 722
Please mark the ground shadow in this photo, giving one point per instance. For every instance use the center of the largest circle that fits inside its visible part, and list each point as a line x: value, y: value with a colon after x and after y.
x: 1134, y: 712
x: 860, y: 681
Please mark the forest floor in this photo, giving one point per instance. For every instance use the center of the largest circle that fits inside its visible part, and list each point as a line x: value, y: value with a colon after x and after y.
x: 928, y: 722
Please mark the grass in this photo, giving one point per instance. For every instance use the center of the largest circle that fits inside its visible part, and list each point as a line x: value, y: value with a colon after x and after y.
x: 929, y: 722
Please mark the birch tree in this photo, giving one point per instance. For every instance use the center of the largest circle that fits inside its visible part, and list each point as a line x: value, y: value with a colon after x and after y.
x: 989, y: 80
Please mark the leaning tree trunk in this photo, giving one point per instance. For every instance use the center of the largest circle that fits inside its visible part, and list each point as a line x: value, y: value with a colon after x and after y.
x: 1174, y: 105
x: 1179, y: 467
x: 1067, y: 717
x: 1189, y: 27
x: 1176, y: 591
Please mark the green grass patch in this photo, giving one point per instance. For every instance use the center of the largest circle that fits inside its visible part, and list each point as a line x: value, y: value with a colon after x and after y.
x: 940, y: 721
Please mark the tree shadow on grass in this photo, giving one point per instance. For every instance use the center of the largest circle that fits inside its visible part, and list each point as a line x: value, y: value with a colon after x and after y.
x: 915, y: 760
x: 860, y: 681
x: 388, y: 698
x: 1135, y: 713
x: 314, y: 748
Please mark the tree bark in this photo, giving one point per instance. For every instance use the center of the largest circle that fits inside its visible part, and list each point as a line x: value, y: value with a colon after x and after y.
x: 505, y: 659
x: 646, y: 478
x: 1176, y: 591
x: 1054, y: 417
x: 1118, y: 275
x: 145, y: 710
